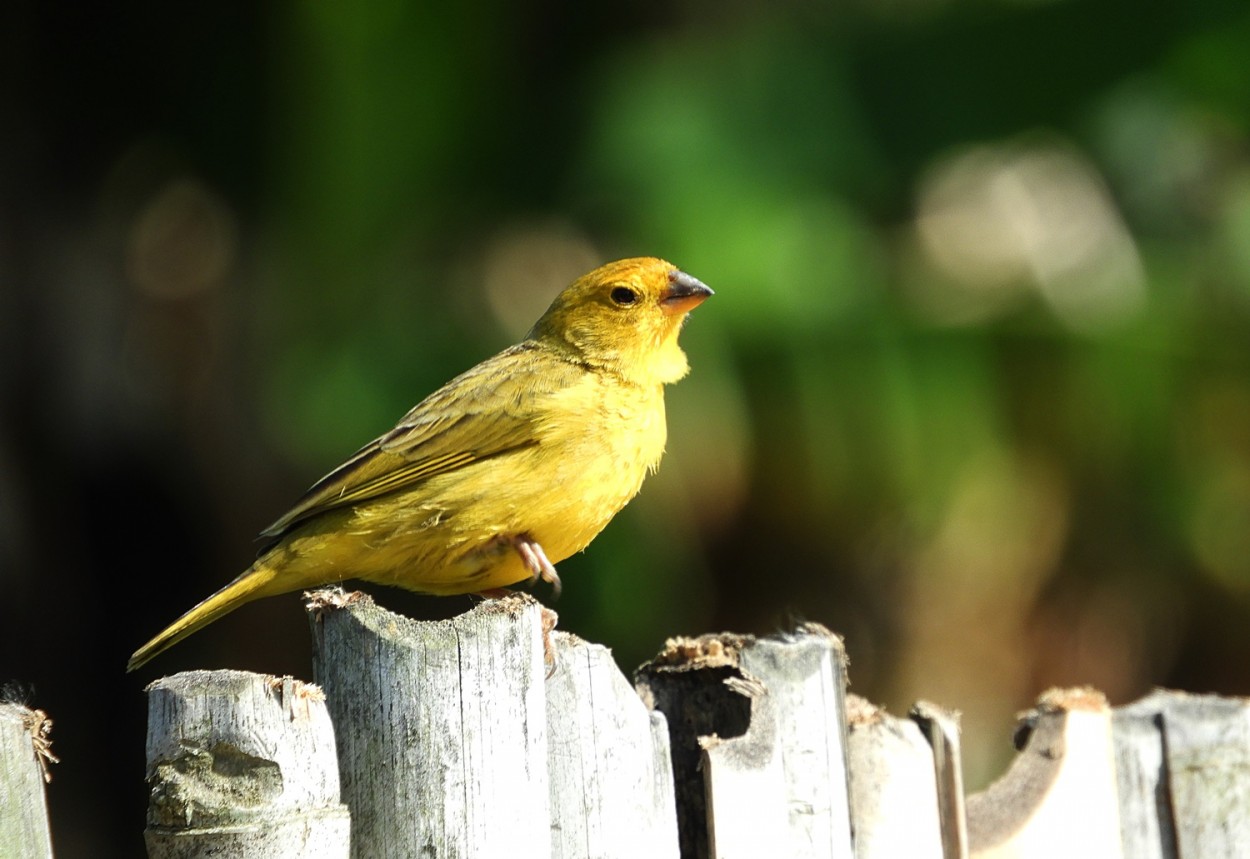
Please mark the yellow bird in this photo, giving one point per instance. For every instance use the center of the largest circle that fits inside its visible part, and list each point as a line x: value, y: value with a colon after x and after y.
x: 506, y: 470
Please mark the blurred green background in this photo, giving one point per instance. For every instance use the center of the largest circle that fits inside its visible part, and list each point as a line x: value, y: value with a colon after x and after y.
x: 974, y: 389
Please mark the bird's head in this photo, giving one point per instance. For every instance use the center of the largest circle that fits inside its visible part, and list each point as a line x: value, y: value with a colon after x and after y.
x: 624, y: 317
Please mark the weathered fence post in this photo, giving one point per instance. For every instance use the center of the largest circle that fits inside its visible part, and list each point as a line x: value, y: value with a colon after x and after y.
x: 442, y: 727
x: 23, y: 809
x: 941, y: 728
x: 1147, y: 828
x: 457, y: 739
x: 894, y: 797
x: 1183, y: 763
x: 758, y: 730
x: 1059, y: 796
x: 241, y: 765
x: 608, y: 761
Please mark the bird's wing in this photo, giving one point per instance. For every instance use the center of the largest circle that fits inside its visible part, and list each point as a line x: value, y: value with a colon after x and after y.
x: 484, y: 412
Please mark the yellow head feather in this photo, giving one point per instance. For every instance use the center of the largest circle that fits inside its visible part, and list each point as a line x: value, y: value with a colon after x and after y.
x: 624, y: 317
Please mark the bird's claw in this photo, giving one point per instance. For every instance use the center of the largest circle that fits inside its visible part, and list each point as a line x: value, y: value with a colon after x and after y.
x: 536, y: 561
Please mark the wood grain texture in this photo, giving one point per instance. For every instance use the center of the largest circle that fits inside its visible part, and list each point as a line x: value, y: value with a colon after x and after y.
x: 1147, y: 830
x: 611, y: 777
x: 893, y: 786
x: 442, y: 728
x: 23, y: 809
x: 758, y: 733
x: 1208, y: 760
x: 1059, y: 796
x: 941, y: 728
x: 241, y: 765
x: 804, y: 674
x: 1184, y: 764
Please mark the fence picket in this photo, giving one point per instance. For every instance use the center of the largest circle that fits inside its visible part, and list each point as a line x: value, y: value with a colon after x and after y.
x: 455, y: 738
x: 23, y: 810
x: 241, y: 765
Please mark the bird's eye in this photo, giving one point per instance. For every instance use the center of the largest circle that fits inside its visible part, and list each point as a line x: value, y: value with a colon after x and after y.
x: 623, y: 296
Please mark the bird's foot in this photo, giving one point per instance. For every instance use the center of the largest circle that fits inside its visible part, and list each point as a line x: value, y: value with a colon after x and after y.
x: 536, y: 562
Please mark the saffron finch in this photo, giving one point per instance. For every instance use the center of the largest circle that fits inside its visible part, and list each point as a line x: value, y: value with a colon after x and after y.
x: 506, y: 470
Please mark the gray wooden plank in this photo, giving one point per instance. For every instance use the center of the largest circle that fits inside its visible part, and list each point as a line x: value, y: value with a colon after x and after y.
x: 1207, y: 753
x: 241, y: 765
x: 1058, y: 798
x: 442, y: 727
x: 1146, y: 826
x: 894, y: 807
x: 611, y: 778
x: 23, y: 808
x: 941, y: 728
x: 758, y: 732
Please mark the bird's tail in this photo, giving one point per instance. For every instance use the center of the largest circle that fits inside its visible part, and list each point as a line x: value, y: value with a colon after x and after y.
x: 259, y: 581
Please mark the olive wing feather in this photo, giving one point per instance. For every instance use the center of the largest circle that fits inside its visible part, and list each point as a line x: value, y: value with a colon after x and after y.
x: 484, y: 412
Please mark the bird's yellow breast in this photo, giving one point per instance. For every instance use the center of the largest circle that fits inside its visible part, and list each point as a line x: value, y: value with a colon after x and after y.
x: 596, y: 441
x: 593, y: 474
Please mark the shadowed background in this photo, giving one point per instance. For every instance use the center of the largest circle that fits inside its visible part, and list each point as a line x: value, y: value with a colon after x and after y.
x: 974, y: 389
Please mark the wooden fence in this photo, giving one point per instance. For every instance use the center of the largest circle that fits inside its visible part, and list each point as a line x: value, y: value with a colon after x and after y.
x: 458, y: 739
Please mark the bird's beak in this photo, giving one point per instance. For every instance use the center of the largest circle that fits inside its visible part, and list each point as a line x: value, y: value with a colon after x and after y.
x: 684, y: 293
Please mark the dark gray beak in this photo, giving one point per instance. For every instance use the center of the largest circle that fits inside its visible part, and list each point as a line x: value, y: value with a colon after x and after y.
x: 684, y: 293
